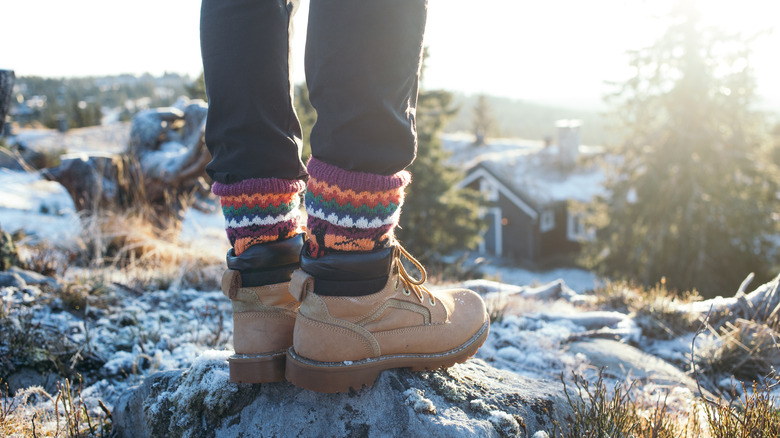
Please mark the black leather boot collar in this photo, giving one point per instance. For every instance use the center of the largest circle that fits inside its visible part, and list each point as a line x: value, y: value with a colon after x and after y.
x: 349, y: 266
x: 349, y: 274
x: 268, y: 263
x: 268, y: 255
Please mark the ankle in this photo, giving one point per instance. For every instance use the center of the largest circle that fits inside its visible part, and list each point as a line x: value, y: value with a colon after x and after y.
x: 260, y: 211
x: 351, y: 211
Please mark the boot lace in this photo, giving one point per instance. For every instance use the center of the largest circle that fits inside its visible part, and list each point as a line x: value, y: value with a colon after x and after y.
x: 410, y: 283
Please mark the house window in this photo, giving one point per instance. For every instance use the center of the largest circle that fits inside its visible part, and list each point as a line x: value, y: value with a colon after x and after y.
x: 576, y: 230
x: 547, y: 221
x: 489, y: 190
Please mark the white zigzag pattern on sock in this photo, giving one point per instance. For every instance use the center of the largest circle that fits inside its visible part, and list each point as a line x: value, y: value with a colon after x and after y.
x: 361, y: 222
x: 262, y: 220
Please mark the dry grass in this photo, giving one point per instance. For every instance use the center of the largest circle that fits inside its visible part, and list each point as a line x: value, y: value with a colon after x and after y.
x: 744, y: 349
x: 601, y: 413
x: 755, y: 415
x: 497, y: 307
x: 656, y: 309
x: 46, y: 259
x: 33, y: 412
x: 149, y: 256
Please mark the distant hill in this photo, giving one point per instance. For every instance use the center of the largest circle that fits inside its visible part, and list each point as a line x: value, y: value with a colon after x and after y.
x: 524, y: 119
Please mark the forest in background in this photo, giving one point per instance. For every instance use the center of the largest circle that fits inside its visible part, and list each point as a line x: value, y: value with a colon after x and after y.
x: 84, y: 101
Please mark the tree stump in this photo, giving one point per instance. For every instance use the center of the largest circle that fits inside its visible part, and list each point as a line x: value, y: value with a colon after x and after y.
x: 164, y: 162
x: 6, y: 89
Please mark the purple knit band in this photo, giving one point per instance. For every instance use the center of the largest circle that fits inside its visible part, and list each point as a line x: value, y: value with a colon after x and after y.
x: 258, y: 185
x: 357, y: 181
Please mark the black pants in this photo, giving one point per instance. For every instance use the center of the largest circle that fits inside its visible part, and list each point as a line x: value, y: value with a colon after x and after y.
x: 362, y: 68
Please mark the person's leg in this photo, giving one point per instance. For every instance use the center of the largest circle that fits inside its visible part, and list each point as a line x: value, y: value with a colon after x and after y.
x: 360, y: 310
x: 252, y: 129
x: 362, y: 66
x: 253, y: 135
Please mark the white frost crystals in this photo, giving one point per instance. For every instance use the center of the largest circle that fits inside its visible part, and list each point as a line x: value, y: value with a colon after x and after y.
x: 415, y: 398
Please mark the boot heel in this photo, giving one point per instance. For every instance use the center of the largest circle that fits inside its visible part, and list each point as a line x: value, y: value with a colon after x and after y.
x: 331, y: 378
x: 257, y: 369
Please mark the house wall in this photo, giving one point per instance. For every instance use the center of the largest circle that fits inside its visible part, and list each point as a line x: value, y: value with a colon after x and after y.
x: 520, y: 239
x: 519, y: 235
x: 556, y: 241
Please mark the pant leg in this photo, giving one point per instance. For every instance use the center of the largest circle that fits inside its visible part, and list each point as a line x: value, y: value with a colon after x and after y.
x: 252, y: 130
x: 363, y: 62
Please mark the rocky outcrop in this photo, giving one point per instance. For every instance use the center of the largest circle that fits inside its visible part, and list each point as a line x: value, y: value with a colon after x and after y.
x: 470, y: 399
x: 628, y: 363
x: 162, y: 166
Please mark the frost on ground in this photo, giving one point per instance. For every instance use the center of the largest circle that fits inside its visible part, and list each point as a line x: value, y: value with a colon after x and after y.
x: 415, y: 398
x: 117, y: 336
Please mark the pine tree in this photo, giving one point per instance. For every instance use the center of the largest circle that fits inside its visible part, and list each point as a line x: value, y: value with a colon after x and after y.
x: 197, y: 88
x: 307, y: 115
x: 693, y: 198
x: 483, y: 121
x: 437, y: 218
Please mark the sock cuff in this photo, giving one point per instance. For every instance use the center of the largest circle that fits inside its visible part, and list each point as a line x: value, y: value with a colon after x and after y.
x: 357, y: 181
x: 258, y: 185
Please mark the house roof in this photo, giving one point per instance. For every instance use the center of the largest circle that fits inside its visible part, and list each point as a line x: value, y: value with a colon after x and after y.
x: 528, y: 169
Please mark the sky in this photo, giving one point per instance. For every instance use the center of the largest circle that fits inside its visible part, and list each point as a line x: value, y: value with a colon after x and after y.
x: 559, y: 51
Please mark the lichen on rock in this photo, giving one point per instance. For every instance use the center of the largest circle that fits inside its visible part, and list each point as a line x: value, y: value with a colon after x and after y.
x: 201, y: 402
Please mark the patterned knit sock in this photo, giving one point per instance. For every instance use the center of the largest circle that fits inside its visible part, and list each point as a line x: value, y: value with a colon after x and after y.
x: 351, y: 211
x: 260, y: 210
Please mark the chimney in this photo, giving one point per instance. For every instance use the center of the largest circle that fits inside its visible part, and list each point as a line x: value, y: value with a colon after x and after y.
x: 568, y: 141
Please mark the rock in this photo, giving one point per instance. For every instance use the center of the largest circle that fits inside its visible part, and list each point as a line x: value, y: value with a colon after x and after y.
x: 102, y: 181
x: 589, y: 320
x: 11, y: 160
x: 471, y: 399
x: 27, y: 377
x: 11, y: 279
x: 32, y: 277
x: 162, y: 166
x: 629, y: 363
x: 550, y: 291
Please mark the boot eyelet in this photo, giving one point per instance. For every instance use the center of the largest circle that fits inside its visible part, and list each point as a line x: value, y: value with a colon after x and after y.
x: 432, y: 301
x: 407, y: 292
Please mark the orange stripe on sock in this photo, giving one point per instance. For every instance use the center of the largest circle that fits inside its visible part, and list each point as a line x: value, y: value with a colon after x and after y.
x: 241, y: 245
x: 371, y: 199
x: 258, y: 199
x: 341, y: 243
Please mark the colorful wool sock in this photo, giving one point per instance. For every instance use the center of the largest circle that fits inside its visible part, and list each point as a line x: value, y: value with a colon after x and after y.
x: 351, y: 211
x: 261, y: 210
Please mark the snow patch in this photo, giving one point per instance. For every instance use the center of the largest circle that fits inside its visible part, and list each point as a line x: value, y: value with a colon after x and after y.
x: 504, y: 423
x: 415, y: 398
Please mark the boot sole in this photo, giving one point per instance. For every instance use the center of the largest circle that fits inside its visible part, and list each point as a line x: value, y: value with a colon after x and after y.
x: 260, y: 368
x: 331, y: 377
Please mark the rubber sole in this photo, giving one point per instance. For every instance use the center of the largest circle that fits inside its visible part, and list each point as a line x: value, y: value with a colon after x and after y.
x: 261, y: 368
x: 331, y: 377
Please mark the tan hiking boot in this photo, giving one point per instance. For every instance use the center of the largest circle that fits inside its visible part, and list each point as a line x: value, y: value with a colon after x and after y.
x: 263, y: 322
x: 264, y: 315
x: 343, y: 342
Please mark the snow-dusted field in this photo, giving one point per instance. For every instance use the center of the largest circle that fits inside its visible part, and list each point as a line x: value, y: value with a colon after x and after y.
x: 168, y: 329
x: 127, y: 334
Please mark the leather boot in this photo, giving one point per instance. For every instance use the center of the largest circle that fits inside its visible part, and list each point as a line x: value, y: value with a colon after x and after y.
x: 263, y: 316
x: 343, y: 342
